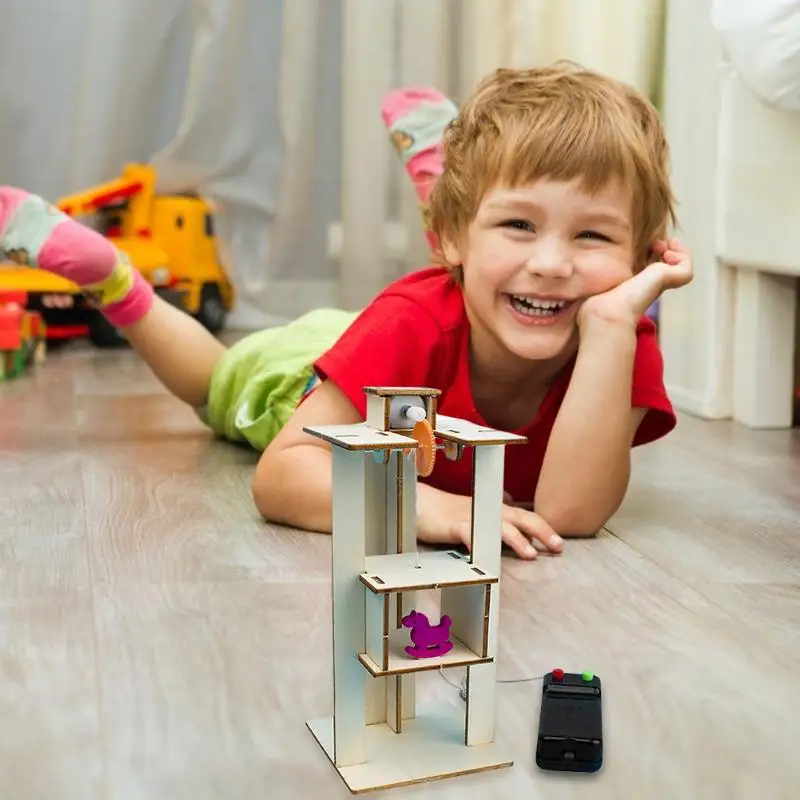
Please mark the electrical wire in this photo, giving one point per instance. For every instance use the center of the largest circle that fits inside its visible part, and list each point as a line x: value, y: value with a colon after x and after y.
x: 462, y: 690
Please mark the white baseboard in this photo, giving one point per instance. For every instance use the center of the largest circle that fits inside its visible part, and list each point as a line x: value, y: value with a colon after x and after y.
x: 697, y: 405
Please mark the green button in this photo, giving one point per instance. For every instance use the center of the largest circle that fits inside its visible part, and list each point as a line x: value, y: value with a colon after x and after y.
x: 587, y: 676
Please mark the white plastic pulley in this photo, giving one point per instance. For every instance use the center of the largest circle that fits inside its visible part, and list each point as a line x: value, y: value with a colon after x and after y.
x: 405, y: 411
x: 414, y: 412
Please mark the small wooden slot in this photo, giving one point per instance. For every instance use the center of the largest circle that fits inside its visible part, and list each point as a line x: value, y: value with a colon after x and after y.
x: 486, y: 609
x: 399, y: 501
x: 398, y: 704
x: 385, y: 649
x: 431, y: 406
x: 479, y: 571
x: 466, y: 711
x: 378, y: 580
x: 473, y: 508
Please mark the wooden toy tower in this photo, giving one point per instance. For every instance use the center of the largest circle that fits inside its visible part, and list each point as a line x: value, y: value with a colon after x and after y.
x: 377, y: 737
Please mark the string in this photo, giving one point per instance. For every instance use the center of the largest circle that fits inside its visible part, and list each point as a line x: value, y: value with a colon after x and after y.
x: 462, y: 690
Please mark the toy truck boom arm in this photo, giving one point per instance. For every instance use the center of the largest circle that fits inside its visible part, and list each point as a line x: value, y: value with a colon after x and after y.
x: 89, y: 201
x: 136, y: 184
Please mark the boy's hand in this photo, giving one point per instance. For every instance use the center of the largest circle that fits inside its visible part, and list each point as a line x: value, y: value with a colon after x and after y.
x: 444, y: 518
x: 627, y: 302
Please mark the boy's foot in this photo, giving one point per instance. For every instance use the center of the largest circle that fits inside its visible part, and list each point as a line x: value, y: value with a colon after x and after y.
x: 417, y: 119
x: 35, y: 233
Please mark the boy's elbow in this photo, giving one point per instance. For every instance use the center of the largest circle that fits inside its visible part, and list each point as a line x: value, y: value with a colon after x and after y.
x: 271, y: 486
x: 574, y: 526
x: 573, y: 514
x: 574, y: 520
x: 263, y: 498
x: 289, y: 487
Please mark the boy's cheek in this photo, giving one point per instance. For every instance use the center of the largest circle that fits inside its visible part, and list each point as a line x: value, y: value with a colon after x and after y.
x: 491, y: 265
x: 604, y: 275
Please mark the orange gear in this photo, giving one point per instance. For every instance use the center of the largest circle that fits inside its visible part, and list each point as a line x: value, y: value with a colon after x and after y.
x: 426, y: 452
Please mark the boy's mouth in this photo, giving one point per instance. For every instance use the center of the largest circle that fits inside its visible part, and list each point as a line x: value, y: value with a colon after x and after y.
x: 536, y: 307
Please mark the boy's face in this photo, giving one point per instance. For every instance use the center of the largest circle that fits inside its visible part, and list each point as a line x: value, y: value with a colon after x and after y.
x: 533, y: 254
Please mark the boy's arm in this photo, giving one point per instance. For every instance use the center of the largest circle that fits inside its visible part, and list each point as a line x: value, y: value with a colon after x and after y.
x: 293, y: 482
x: 586, y: 467
x: 390, y: 343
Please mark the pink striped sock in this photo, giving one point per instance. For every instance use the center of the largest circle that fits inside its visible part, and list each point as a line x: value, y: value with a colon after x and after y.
x: 10, y: 199
x: 417, y: 119
x: 136, y: 303
x: 37, y: 234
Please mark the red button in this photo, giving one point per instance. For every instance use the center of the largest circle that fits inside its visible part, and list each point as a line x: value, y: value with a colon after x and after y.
x: 558, y: 674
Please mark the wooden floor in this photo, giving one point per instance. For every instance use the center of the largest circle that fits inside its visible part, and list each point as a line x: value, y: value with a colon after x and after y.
x: 159, y: 642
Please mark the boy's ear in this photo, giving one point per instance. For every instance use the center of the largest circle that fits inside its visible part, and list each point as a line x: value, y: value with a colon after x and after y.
x: 451, y: 251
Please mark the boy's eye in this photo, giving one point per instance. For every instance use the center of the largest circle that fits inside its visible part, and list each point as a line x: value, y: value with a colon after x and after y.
x: 593, y: 235
x: 518, y: 224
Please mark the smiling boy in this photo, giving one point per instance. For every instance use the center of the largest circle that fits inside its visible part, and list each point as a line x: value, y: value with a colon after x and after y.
x: 550, y: 222
x: 551, y: 212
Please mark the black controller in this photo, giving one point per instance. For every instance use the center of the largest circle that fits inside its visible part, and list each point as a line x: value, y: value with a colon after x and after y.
x: 570, y: 723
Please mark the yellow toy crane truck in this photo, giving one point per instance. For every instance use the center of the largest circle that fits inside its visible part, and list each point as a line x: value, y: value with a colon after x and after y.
x: 170, y: 239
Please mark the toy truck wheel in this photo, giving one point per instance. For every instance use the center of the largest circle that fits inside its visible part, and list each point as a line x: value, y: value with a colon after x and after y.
x: 103, y: 334
x: 212, y: 312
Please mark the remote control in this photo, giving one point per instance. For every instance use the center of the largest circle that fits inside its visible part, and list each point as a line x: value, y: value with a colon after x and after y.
x: 570, y: 723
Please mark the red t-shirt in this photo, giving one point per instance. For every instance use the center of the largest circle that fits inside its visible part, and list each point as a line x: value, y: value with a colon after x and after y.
x: 416, y: 333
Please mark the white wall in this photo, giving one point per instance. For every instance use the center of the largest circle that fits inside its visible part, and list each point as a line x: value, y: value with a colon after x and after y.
x: 729, y: 338
x: 696, y: 321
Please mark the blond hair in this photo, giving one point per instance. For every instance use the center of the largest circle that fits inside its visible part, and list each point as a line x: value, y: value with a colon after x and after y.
x: 561, y: 122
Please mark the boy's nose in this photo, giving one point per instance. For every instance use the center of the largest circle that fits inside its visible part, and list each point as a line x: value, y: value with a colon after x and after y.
x: 550, y: 260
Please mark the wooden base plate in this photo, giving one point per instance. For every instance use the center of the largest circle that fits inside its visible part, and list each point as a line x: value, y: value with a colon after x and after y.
x: 430, y: 747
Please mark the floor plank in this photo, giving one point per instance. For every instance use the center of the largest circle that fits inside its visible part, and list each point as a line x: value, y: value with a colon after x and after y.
x: 202, y: 692
x: 51, y: 739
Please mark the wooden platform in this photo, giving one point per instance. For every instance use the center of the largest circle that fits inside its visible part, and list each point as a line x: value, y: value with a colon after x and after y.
x: 431, y: 747
x: 361, y: 437
x: 467, y: 433
x: 424, y: 570
x: 400, y: 662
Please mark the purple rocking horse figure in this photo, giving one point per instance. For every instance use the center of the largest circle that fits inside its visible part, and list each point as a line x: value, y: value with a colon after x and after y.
x: 429, y: 640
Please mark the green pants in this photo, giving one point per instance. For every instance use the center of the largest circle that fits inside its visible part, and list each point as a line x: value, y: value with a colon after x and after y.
x: 259, y: 381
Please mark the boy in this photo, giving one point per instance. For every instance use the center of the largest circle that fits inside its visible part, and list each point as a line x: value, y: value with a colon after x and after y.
x: 549, y: 221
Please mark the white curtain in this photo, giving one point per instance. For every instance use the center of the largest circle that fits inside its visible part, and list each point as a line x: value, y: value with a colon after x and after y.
x: 190, y: 85
x: 623, y: 38
x: 242, y: 101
